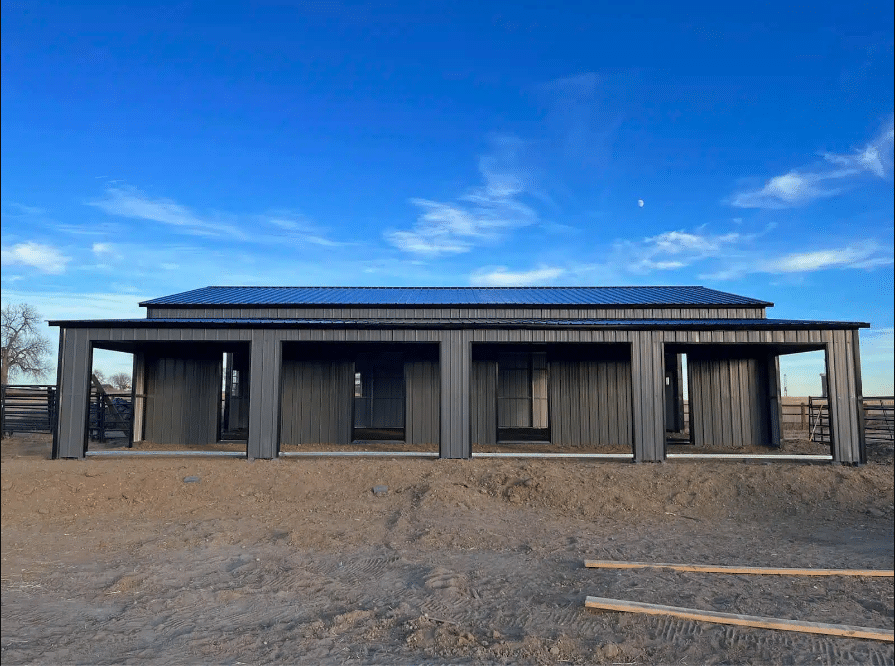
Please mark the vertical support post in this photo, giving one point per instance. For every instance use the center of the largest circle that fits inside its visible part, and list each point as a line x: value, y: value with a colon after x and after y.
x: 73, y: 392
x: 456, y: 363
x: 775, y: 402
x: 100, y: 416
x: 648, y: 395
x: 138, y: 398
x: 679, y: 393
x: 843, y: 380
x: 859, y: 394
x: 264, y: 394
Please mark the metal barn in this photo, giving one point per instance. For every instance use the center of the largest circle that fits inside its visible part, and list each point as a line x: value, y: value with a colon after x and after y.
x: 458, y: 369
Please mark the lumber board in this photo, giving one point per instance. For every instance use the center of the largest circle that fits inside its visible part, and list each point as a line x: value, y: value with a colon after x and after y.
x: 712, y: 568
x: 622, y: 605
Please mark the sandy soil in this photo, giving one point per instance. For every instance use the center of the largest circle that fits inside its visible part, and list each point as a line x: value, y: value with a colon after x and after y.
x: 224, y: 561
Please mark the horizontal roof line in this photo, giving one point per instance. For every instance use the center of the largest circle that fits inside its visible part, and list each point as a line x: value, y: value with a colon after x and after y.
x: 637, y: 324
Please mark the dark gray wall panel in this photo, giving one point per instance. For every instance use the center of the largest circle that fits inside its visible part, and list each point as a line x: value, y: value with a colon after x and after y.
x: 183, y: 398
x: 742, y: 417
x: 648, y: 395
x: 455, y: 362
x: 317, y: 402
x: 73, y: 393
x: 423, y: 413
x: 264, y: 394
x: 454, y: 313
x: 590, y: 403
x: 843, y: 376
x: 138, y: 396
x: 483, y: 403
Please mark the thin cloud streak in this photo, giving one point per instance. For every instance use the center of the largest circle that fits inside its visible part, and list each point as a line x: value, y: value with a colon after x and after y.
x: 860, y: 256
x: 801, y: 186
x: 134, y: 204
x: 272, y: 228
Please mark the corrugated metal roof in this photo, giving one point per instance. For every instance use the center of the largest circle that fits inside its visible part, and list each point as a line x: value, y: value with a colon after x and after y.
x: 455, y: 296
x: 700, y: 324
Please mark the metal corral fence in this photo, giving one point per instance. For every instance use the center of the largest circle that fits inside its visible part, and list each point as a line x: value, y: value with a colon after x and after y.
x: 27, y: 408
x: 32, y: 409
x: 879, y: 419
x: 796, y: 413
x: 110, y: 414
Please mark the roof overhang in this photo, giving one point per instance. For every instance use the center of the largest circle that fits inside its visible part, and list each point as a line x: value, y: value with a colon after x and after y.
x: 614, y: 324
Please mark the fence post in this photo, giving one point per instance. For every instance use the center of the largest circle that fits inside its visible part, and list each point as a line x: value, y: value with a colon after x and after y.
x: 100, y: 418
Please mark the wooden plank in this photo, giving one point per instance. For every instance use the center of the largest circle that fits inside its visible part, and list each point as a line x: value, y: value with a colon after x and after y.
x: 741, y: 620
x: 716, y: 568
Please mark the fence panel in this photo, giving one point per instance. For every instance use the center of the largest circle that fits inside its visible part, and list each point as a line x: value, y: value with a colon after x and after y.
x: 28, y: 408
x: 879, y: 419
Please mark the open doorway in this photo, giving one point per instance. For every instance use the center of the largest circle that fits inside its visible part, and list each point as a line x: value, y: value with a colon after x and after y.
x: 736, y: 401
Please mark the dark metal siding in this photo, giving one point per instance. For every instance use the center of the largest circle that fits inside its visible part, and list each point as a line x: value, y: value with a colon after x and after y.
x: 647, y: 359
x: 264, y: 398
x: 138, y: 396
x: 73, y: 391
x: 316, y: 404
x: 436, y: 313
x: 843, y: 389
x: 590, y: 403
x: 648, y: 395
x: 763, y: 326
x: 483, y: 403
x: 183, y: 398
x: 730, y: 405
x: 423, y: 411
x: 455, y: 362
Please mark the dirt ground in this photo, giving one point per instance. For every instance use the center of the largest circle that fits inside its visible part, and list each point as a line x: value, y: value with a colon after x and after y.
x: 225, y: 561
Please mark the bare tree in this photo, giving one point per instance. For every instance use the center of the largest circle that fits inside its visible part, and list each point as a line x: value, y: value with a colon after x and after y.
x: 25, y: 351
x: 120, y: 380
x: 101, y: 377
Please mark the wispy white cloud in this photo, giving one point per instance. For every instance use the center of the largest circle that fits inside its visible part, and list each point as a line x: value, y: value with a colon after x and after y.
x: 131, y: 203
x: 722, y: 256
x: 103, y: 248
x: 481, y: 215
x: 806, y: 184
x: 268, y: 228
x: 865, y: 255
x: 672, y: 250
x: 13, y: 209
x: 499, y: 276
x: 44, y: 258
x: 297, y: 227
x: 79, y: 305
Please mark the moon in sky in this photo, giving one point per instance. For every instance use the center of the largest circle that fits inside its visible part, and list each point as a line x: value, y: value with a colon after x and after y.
x: 640, y: 202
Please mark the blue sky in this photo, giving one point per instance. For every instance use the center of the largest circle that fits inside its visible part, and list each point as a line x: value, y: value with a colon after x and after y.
x: 149, y: 149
